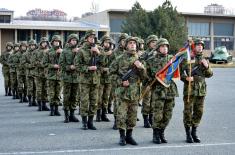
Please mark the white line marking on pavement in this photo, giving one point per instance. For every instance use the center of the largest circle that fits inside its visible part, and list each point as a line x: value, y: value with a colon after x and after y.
x: 117, y: 149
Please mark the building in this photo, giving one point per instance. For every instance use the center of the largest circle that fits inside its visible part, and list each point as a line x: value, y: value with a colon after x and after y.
x: 24, y: 30
x: 214, y: 28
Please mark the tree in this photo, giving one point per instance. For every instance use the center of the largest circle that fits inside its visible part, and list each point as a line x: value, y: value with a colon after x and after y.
x: 163, y: 21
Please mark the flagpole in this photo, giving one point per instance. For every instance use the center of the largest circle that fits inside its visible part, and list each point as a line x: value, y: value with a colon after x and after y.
x: 189, y: 82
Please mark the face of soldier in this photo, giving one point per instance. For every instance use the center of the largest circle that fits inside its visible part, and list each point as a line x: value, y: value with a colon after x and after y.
x: 131, y: 45
x: 106, y: 44
x: 91, y: 39
x: 153, y: 44
x: 56, y: 43
x: 9, y: 48
x: 122, y: 43
x: 198, y: 48
x: 32, y: 47
x: 44, y: 44
x: 16, y: 48
x: 141, y: 46
x: 23, y: 48
x: 163, y: 49
x: 73, y: 42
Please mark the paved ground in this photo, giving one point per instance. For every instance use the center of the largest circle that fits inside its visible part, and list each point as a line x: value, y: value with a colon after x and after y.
x: 23, y: 130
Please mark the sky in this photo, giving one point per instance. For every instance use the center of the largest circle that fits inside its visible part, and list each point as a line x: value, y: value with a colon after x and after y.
x: 75, y: 8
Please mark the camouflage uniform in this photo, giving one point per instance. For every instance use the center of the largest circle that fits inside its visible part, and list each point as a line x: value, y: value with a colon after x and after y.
x: 27, y: 62
x: 112, y: 97
x: 127, y: 96
x: 50, y: 59
x: 89, y: 81
x: 70, y: 79
x: 40, y: 74
x: 193, y: 109
x: 146, y: 104
x: 105, y: 80
x: 13, y: 65
x: 6, y: 69
x: 21, y: 73
x: 162, y: 98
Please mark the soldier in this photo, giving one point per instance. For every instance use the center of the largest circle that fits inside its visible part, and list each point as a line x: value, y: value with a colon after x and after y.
x: 105, y: 79
x: 112, y: 99
x: 6, y: 69
x: 40, y: 74
x: 89, y: 80
x: 193, y: 108
x: 69, y: 77
x: 26, y: 62
x: 162, y: 98
x: 127, y: 90
x: 13, y: 71
x: 21, y: 73
x: 141, y: 46
x: 147, y: 113
x: 51, y: 61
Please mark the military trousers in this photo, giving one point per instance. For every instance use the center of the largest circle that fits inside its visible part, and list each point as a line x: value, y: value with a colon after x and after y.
x: 104, y: 93
x: 22, y: 85
x: 126, y: 114
x: 89, y: 99
x: 13, y: 80
x: 112, y: 99
x: 54, y: 90
x: 193, y: 110
x: 6, y: 76
x: 70, y: 91
x: 162, y: 112
x: 147, y: 104
x: 31, y: 86
x: 41, y: 88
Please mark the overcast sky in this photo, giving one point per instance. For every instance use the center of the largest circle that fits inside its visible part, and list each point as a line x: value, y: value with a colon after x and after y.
x: 78, y: 7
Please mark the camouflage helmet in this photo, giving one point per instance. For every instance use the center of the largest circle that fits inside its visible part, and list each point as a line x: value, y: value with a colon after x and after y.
x: 9, y: 44
x: 130, y: 38
x: 122, y: 36
x: 56, y: 38
x: 141, y: 41
x: 151, y: 38
x: 199, y: 41
x: 16, y: 45
x: 72, y: 36
x: 162, y: 41
x: 44, y: 39
x: 23, y: 43
x: 104, y: 38
x: 32, y: 42
x: 89, y: 33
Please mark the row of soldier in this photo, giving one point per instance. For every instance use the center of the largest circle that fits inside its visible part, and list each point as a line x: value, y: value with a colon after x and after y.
x: 92, y: 78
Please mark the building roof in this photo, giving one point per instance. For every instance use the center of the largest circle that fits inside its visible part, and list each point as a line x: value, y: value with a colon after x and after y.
x: 207, y: 15
x: 53, y: 25
x: 5, y: 10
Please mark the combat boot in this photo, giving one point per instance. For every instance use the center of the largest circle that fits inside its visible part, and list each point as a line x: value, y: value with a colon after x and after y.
x: 13, y: 94
x: 34, y: 103
x: 156, y: 137
x: 84, y: 123
x: 90, y: 123
x: 9, y: 92
x: 39, y: 105
x: 52, y: 108
x: 30, y: 102
x: 44, y: 106
x: 21, y: 98
x: 98, y: 115
x: 146, y: 121
x: 194, y: 135
x: 110, y: 109
x: 25, y: 98
x: 151, y: 119
x: 6, y: 91
x: 189, y: 138
x: 122, y: 140
x: 66, y: 116
x: 72, y: 117
x: 115, y: 123
x: 129, y: 138
x: 162, y: 136
x: 57, y: 113
x: 104, y: 116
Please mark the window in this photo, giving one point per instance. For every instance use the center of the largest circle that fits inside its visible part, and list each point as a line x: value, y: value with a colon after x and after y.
x: 115, y: 25
x: 223, y: 29
x: 198, y: 29
x: 5, y: 18
x: 224, y: 41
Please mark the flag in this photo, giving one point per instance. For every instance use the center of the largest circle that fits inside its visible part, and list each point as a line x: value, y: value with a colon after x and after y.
x: 171, y: 69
